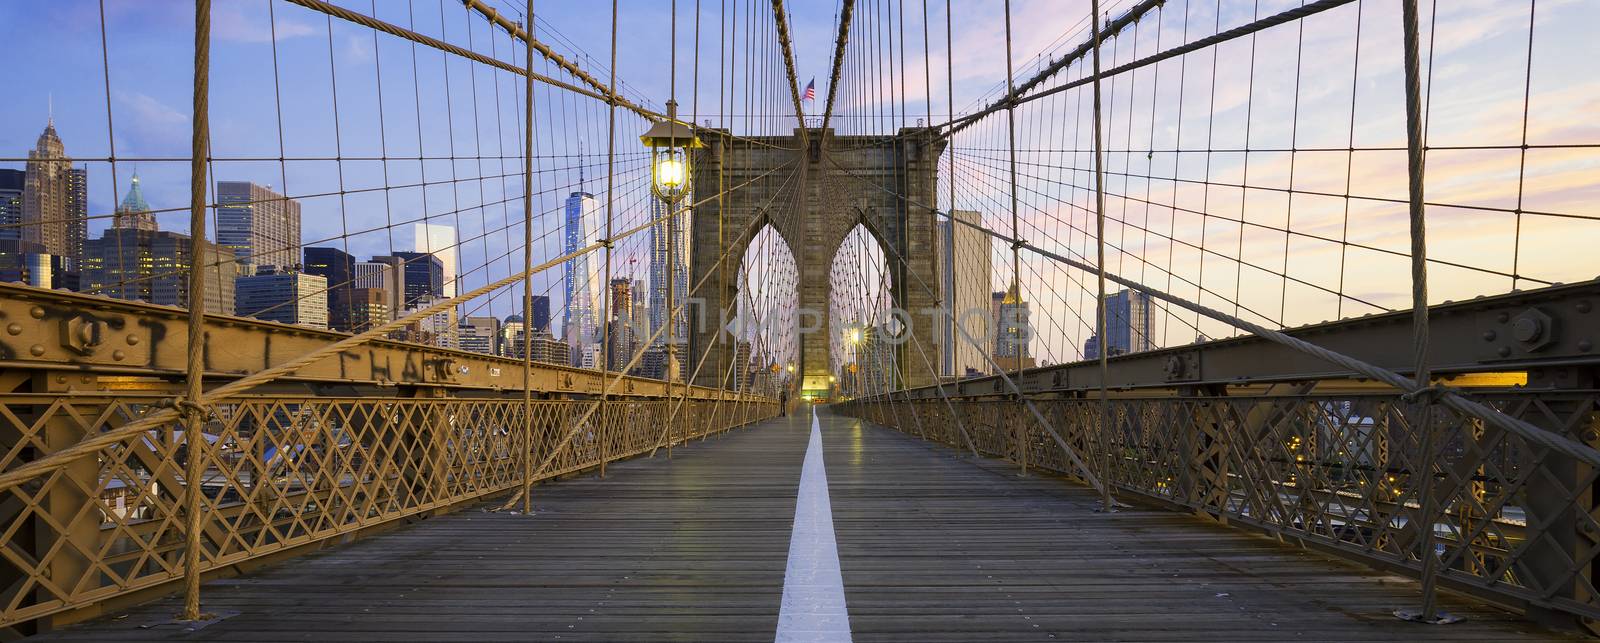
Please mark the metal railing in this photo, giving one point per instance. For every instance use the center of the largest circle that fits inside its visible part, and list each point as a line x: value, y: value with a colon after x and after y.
x: 1346, y: 472
x: 281, y: 472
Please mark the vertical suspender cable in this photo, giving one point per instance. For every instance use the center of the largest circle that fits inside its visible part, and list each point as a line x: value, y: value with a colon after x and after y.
x: 194, y: 415
x: 1016, y: 243
x: 694, y: 111
x: 527, y: 452
x: 1419, y: 311
x: 1100, y: 253
x: 605, y: 286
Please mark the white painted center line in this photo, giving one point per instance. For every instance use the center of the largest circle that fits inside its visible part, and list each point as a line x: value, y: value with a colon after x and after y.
x: 813, y: 588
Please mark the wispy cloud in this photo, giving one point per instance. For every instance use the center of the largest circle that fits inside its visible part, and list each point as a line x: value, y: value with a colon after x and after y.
x: 237, y: 22
x: 148, y: 124
x: 357, y: 49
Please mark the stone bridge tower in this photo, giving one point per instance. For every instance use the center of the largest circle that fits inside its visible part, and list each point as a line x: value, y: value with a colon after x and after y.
x: 815, y: 194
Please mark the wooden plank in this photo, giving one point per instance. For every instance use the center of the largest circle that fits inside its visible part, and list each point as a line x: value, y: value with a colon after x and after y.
x: 935, y: 546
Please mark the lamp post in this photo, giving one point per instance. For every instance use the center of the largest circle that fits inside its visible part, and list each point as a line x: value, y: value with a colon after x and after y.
x: 669, y: 141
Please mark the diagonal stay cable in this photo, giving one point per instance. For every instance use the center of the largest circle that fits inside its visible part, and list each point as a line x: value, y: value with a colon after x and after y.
x: 1451, y: 399
x: 1072, y: 454
x: 88, y: 446
x: 578, y: 423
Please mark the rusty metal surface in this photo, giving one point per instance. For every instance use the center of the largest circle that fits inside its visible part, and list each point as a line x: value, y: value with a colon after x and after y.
x: 1548, y: 328
x: 1344, y: 472
x: 279, y: 472
x: 73, y: 333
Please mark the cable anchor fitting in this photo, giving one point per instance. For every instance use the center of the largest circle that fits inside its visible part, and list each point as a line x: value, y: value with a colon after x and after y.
x: 186, y: 406
x: 1427, y: 394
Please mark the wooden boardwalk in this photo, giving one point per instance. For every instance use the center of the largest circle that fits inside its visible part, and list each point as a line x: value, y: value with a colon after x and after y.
x: 932, y: 545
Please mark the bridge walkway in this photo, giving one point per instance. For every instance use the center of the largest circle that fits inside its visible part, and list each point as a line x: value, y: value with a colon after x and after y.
x: 933, y: 545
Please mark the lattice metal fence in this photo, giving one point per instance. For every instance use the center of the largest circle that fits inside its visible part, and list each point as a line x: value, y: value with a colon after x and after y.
x: 1347, y: 473
x: 281, y: 472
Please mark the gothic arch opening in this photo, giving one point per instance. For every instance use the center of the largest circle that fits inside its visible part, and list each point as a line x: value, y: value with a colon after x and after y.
x: 767, y: 350
x: 862, y: 346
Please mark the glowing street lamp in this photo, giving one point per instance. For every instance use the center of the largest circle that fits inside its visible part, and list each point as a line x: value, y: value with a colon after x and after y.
x: 669, y: 141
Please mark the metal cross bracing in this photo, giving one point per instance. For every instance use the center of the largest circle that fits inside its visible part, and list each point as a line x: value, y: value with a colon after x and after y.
x: 1208, y: 122
x: 477, y: 119
x: 1018, y: 274
x: 1215, y: 169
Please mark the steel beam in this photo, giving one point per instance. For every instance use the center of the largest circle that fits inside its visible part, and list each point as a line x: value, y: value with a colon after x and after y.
x: 1535, y: 331
x: 73, y: 333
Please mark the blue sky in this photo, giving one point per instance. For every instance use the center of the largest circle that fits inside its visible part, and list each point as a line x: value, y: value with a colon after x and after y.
x: 1327, y: 94
x: 145, y: 65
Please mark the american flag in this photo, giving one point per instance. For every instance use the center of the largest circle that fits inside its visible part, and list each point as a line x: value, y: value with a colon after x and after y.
x: 811, y: 90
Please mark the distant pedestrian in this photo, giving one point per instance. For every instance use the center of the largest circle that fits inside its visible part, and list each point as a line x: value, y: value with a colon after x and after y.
x: 783, y: 403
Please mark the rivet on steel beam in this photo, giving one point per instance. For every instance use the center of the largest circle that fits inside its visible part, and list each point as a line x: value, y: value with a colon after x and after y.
x: 14, y: 329
x: 36, y: 312
x: 1489, y: 335
x: 133, y: 340
x: 1527, y: 329
x: 1585, y: 346
x: 118, y: 355
x: 37, y: 350
x: 1585, y: 306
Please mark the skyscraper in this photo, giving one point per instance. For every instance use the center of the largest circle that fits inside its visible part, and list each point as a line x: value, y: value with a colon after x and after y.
x: 741, y: 365
x: 619, y: 328
x: 153, y: 266
x: 995, y: 300
x: 581, y: 300
x: 511, y: 336
x: 639, y: 312
x: 386, y: 274
x: 480, y: 335
x: 541, y: 314
x: 55, y: 204
x: 875, y: 361
x: 439, y: 241
x: 589, y: 357
x: 283, y: 296
x: 1013, y: 334
x: 549, y: 350
x: 1127, y: 324
x: 261, y: 226
x: 11, y: 182
x: 423, y: 273
x: 435, y: 329
x: 369, y: 307
x: 661, y: 250
x: 134, y: 212
x: 963, y: 271
x: 12, y: 249
x: 38, y: 270
x: 339, y: 269
x: 424, y: 286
